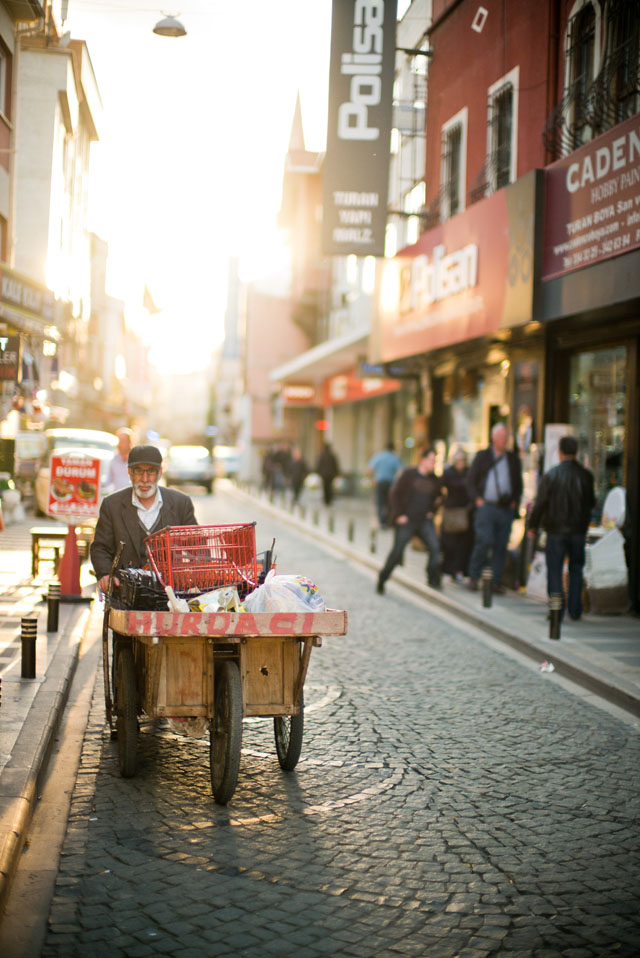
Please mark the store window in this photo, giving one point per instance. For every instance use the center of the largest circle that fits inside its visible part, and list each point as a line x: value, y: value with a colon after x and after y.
x: 597, y: 412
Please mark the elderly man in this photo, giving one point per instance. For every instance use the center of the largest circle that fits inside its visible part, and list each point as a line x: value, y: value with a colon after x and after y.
x: 495, y: 486
x: 134, y: 512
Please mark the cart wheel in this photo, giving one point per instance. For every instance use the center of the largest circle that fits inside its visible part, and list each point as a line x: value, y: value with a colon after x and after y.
x: 288, y: 731
x: 225, y: 736
x: 126, y: 711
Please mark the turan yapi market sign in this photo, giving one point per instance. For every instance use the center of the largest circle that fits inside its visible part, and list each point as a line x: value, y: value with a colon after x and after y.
x: 356, y: 166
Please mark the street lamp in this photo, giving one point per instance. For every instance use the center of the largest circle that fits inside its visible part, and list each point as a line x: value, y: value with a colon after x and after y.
x: 169, y: 27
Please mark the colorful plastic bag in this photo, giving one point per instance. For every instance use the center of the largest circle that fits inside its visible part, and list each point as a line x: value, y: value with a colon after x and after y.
x: 285, y: 593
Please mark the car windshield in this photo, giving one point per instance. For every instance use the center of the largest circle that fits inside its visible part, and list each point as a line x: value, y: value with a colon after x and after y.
x: 84, y: 439
x: 188, y: 454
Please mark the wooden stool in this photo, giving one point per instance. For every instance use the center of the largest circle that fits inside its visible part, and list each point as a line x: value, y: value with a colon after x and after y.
x: 48, y: 539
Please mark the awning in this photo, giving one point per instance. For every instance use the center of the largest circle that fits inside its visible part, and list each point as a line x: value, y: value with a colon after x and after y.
x: 324, y: 360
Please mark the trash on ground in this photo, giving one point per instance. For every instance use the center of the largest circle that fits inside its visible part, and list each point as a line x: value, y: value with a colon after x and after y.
x: 547, y: 667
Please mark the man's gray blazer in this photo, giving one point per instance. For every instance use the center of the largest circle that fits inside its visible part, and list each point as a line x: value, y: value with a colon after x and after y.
x: 118, y: 522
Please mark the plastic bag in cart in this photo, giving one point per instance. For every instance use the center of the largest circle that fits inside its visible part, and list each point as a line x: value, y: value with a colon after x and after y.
x: 285, y: 593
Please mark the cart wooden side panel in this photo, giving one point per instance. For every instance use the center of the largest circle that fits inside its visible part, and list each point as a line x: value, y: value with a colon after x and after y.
x: 269, y: 667
x: 176, y: 655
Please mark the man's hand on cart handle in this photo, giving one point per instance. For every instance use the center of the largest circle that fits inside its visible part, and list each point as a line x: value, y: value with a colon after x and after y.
x: 104, y: 583
x: 107, y: 582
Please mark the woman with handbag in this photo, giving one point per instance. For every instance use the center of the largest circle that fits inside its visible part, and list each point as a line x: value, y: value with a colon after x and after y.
x: 456, y: 533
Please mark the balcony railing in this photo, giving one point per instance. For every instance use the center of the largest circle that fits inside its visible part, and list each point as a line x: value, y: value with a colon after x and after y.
x: 583, y: 114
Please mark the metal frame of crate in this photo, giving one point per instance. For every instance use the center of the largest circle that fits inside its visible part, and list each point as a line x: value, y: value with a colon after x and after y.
x: 202, y: 558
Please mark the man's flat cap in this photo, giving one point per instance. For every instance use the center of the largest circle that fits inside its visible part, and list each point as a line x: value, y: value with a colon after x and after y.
x: 144, y: 456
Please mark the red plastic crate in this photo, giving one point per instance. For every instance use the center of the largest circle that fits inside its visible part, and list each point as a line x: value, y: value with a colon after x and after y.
x: 201, y: 558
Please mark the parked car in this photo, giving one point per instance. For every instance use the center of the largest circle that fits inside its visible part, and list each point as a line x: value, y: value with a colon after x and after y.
x: 227, y: 461
x: 189, y: 465
x: 89, y: 442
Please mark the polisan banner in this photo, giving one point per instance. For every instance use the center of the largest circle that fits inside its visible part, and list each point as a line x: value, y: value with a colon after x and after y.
x: 356, y: 165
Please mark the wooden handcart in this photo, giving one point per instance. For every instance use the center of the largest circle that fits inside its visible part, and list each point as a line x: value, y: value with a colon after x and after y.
x: 217, y: 666
x: 220, y: 667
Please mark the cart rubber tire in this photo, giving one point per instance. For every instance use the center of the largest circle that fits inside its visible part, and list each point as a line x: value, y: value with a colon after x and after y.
x: 225, y: 735
x: 288, y: 730
x: 126, y: 711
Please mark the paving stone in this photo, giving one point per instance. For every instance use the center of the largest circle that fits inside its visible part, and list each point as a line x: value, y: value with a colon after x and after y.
x: 448, y: 802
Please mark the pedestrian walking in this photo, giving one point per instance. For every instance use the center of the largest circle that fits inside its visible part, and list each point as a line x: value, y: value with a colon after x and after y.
x: 456, y: 532
x: 298, y: 472
x: 495, y: 487
x: 118, y: 475
x: 563, y: 508
x: 384, y: 467
x: 327, y: 468
x: 414, y: 498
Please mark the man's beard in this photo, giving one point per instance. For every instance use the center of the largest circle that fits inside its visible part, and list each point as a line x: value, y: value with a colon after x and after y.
x: 147, y: 494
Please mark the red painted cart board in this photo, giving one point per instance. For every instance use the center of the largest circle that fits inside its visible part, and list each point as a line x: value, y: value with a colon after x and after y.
x: 228, y: 625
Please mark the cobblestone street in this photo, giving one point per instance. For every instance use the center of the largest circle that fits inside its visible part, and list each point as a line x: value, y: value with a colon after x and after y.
x: 449, y: 801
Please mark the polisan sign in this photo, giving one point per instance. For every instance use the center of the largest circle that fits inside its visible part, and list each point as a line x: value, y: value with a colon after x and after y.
x: 466, y: 278
x: 355, y: 173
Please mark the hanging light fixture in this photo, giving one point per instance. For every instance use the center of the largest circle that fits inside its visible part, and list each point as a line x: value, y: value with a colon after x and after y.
x: 169, y: 27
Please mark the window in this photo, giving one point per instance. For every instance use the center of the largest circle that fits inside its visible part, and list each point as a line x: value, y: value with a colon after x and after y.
x: 579, y: 59
x: 453, y: 173
x: 502, y: 125
x: 623, y: 60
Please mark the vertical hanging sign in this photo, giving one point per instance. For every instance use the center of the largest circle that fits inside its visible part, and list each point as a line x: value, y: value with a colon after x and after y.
x: 356, y: 166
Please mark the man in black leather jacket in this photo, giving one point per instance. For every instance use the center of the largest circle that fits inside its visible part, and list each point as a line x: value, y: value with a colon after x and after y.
x: 563, y: 508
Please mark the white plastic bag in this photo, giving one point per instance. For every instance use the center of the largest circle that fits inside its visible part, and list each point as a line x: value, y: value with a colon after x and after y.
x: 285, y: 593
x: 606, y: 567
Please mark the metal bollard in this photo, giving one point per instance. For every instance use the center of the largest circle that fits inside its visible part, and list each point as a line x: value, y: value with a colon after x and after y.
x: 53, y: 606
x: 331, y: 522
x: 487, y: 582
x: 555, y: 612
x: 315, y: 517
x: 372, y: 541
x: 303, y: 512
x: 350, y: 530
x: 29, y: 634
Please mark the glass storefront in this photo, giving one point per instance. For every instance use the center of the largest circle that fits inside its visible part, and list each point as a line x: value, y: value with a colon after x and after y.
x: 597, y: 412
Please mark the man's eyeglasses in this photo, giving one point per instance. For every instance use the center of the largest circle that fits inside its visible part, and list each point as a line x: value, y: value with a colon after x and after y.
x: 138, y: 472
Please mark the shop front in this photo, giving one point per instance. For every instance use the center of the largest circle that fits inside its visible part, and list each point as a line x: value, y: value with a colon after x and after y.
x: 28, y: 347
x: 460, y: 304
x: 364, y: 413
x: 590, y: 303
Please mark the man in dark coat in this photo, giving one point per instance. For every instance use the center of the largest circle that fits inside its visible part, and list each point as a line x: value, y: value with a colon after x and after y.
x: 495, y: 487
x: 563, y: 508
x: 134, y: 512
x: 327, y: 468
x: 414, y: 498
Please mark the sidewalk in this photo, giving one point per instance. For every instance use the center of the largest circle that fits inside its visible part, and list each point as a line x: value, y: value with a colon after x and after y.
x: 600, y: 653
x: 30, y: 709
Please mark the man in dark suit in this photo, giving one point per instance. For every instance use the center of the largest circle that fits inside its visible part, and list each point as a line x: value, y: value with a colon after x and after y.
x: 133, y: 513
x: 494, y: 484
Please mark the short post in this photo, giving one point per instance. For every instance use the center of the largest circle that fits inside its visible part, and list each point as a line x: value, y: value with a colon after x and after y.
x: 372, y: 541
x: 555, y: 612
x: 487, y: 583
x: 350, y: 530
x: 303, y: 512
x: 29, y: 634
x: 315, y: 517
x: 53, y: 606
x: 331, y: 520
